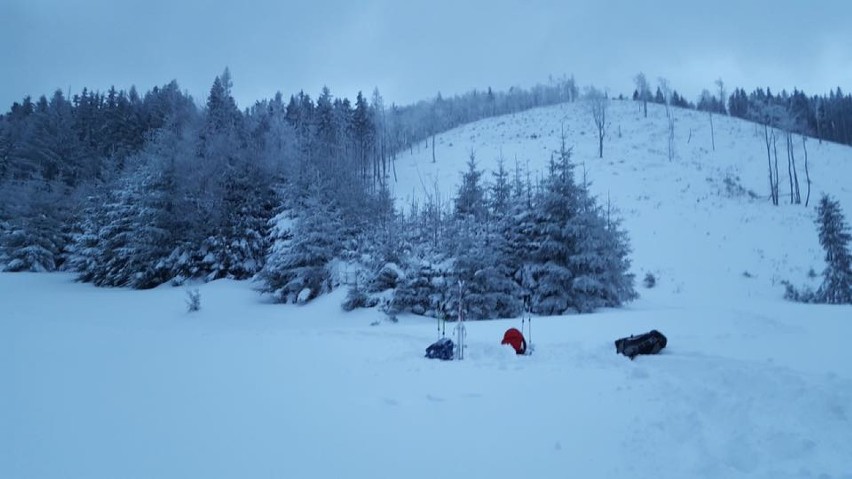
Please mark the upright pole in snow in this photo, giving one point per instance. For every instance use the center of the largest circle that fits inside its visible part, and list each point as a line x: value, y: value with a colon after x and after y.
x: 460, y: 332
x: 529, y: 331
x: 527, y: 302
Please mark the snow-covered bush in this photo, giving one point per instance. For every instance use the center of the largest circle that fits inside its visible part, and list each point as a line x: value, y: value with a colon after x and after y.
x: 388, y: 277
x: 356, y: 297
x: 193, y: 300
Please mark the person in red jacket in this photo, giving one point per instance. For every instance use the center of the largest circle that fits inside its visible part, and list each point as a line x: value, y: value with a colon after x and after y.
x: 516, y: 339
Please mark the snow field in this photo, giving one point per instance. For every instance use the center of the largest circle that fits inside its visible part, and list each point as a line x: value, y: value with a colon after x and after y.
x: 116, y: 383
x: 243, y: 388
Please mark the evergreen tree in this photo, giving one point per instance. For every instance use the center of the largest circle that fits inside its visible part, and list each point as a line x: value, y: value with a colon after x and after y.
x: 238, y: 246
x: 298, y: 267
x: 133, y: 234
x: 470, y: 201
x: 834, y: 236
x: 35, y: 240
x: 424, y: 288
x: 599, y: 264
x: 489, y: 291
x: 488, y: 288
x: 500, y: 192
x: 578, y: 259
x: 555, y: 236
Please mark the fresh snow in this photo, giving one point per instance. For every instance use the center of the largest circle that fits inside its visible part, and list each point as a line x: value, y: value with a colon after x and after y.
x: 104, y: 383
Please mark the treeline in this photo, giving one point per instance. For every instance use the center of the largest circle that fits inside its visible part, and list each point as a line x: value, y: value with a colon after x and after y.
x: 826, y: 117
x: 411, y: 124
x: 60, y: 157
x: 137, y: 191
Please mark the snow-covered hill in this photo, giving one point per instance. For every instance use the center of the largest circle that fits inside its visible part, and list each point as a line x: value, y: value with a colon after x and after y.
x: 701, y: 223
x: 117, y: 383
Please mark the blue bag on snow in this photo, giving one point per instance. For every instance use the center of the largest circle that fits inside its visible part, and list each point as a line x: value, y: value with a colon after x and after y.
x: 440, y: 349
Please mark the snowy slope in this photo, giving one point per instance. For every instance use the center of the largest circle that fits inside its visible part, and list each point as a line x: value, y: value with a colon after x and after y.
x: 685, y: 223
x: 115, y: 383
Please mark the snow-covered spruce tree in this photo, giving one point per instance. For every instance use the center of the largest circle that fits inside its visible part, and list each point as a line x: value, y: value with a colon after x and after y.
x: 489, y: 291
x: 600, y: 263
x: 36, y: 236
x: 34, y: 243
x: 554, y: 234
x: 380, y: 252
x: 426, y: 266
x: 85, y: 251
x: 579, y: 261
x: 297, y: 268
x: 240, y: 180
x: 516, y: 224
x: 376, y: 254
x: 100, y: 252
x: 424, y: 290
x: 834, y: 236
x: 136, y: 235
x: 237, y: 246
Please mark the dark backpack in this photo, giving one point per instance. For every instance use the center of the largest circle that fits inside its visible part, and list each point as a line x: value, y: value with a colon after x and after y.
x: 648, y: 343
x: 440, y: 349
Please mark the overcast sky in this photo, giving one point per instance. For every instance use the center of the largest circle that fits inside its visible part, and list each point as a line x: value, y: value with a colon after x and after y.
x: 412, y: 49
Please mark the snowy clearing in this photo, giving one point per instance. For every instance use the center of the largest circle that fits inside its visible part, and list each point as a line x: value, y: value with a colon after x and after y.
x: 118, y: 383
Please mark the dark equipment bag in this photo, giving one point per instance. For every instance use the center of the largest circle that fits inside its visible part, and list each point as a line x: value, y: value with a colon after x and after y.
x: 440, y: 349
x: 648, y: 343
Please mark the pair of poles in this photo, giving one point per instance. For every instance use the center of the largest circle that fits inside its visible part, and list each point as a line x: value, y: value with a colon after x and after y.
x: 461, y: 332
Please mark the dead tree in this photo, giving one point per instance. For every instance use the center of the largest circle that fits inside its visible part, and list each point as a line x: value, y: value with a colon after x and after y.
x: 598, y: 103
x: 708, y: 103
x: 643, y: 91
x: 712, y: 132
x: 721, y: 85
x: 667, y: 96
x: 795, y: 196
x: 807, y: 173
x: 769, y: 138
x: 775, y: 151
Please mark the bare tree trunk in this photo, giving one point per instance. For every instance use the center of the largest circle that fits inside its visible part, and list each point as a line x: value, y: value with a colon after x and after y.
x: 433, y: 148
x: 599, y: 103
x: 671, y: 133
x: 795, y: 173
x: 384, y: 161
x: 807, y: 174
x: 775, y: 150
x: 790, y: 167
x: 712, y: 132
x: 645, y: 105
x: 818, y: 124
x: 768, y: 141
